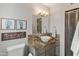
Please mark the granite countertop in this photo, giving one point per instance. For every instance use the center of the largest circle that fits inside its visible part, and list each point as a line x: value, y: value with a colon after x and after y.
x: 37, y: 42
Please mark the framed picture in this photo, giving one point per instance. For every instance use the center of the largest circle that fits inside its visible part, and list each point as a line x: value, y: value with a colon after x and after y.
x: 21, y: 24
x: 7, y: 24
x: 13, y: 35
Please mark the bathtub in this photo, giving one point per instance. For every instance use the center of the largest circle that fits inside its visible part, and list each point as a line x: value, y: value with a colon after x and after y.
x: 16, y: 50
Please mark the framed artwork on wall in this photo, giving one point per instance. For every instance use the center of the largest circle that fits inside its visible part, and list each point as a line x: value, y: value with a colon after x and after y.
x: 8, y: 24
x: 21, y: 24
x: 13, y: 35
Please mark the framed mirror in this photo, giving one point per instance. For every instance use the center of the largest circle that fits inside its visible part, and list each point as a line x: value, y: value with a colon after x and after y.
x: 39, y: 25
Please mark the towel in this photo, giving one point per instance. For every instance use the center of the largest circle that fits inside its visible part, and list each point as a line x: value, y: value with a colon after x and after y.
x: 75, y: 41
x: 30, y: 54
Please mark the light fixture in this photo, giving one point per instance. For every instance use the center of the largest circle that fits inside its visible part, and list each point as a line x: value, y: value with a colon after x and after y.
x: 43, y: 13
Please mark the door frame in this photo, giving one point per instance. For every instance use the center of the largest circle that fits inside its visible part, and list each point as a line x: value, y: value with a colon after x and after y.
x: 66, y: 27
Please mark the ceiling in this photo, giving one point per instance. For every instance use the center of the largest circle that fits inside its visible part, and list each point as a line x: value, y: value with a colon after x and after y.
x: 48, y: 4
x: 53, y: 4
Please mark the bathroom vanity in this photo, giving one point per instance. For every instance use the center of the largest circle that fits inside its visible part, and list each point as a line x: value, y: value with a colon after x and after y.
x: 42, y: 45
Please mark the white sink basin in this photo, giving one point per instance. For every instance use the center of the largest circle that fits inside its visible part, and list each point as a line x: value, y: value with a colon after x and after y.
x: 45, y: 38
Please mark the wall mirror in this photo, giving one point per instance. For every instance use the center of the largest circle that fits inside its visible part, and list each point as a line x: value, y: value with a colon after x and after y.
x: 40, y: 22
x: 37, y: 25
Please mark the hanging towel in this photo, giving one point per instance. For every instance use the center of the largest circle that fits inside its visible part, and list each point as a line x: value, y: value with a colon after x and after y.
x: 75, y: 41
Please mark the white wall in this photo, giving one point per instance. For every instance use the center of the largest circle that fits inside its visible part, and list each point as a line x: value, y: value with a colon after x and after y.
x: 19, y: 11
x: 45, y: 20
x: 16, y: 11
x: 57, y: 12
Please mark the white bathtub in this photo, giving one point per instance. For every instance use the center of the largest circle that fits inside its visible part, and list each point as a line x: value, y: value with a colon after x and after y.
x: 16, y: 50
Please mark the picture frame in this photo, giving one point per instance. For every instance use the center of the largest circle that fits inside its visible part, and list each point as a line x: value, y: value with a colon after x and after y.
x: 21, y: 24
x: 12, y: 35
x: 7, y: 24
